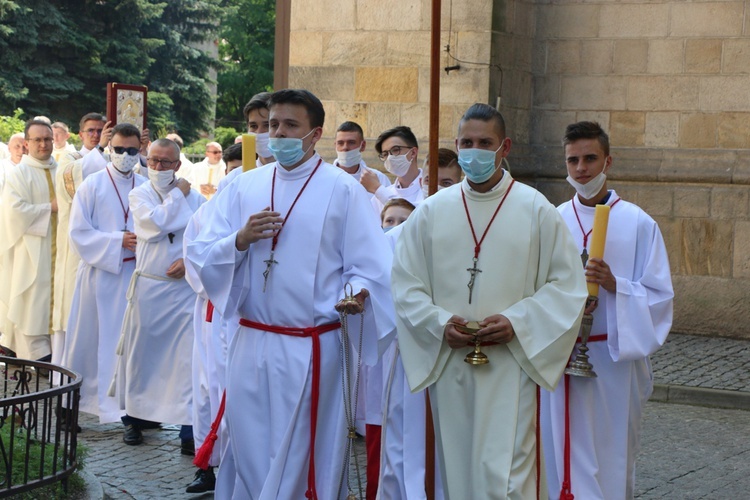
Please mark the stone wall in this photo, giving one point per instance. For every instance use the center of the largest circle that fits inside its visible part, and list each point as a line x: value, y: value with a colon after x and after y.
x: 369, y: 62
x: 669, y: 80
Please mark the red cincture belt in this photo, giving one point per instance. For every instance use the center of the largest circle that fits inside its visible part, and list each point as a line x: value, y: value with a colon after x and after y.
x: 209, y: 312
x: 314, y: 332
x: 128, y: 259
x: 566, y: 492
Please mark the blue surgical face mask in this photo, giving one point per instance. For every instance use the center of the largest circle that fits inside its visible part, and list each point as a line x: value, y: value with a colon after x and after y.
x: 288, y: 150
x: 477, y: 164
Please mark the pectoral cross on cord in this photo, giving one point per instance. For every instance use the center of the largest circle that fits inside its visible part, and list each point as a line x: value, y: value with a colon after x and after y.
x: 585, y: 253
x: 125, y: 211
x: 474, y: 270
x: 270, y: 261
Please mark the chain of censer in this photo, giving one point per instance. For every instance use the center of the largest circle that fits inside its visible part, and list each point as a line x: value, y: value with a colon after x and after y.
x: 350, y: 411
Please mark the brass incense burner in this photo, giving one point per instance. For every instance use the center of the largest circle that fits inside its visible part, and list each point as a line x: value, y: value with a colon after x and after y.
x: 580, y: 365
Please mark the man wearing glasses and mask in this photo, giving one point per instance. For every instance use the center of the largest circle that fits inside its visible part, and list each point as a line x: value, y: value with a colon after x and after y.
x: 28, y: 221
x: 99, y: 156
x: 157, y: 331
x: 101, y: 232
x: 398, y: 150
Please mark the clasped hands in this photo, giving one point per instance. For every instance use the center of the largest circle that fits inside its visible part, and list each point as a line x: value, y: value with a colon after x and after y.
x: 496, y: 328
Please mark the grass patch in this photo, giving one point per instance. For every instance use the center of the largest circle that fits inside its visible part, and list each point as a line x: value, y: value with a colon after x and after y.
x: 76, y: 483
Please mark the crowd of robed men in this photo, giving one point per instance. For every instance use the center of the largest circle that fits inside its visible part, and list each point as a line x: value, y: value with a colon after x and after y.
x: 275, y: 298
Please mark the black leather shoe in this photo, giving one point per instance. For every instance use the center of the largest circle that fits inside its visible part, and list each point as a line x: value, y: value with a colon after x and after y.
x: 133, y: 435
x: 204, y: 481
x: 187, y: 447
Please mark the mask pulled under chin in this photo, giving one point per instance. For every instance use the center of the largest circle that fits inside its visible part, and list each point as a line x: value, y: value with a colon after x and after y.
x: 589, y: 190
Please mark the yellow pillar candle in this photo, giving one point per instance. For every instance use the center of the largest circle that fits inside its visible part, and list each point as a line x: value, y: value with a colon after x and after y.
x: 248, y: 152
x: 598, y: 238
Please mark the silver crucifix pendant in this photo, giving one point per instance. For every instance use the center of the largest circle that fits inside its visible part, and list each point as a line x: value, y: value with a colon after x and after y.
x: 269, y: 262
x: 473, y: 271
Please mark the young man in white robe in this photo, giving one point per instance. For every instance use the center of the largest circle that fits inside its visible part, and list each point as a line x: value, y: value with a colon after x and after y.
x: 283, y: 242
x: 28, y: 225
x: 493, y: 251
x: 68, y: 178
x: 631, y: 321
x: 101, y: 233
x: 157, y: 330
x: 350, y: 143
x: 398, y: 149
x: 100, y: 155
x: 213, y: 332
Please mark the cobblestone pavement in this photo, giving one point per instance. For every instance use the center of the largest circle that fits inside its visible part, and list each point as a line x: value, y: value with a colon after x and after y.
x: 687, y: 451
x: 152, y: 470
x: 690, y: 452
x: 707, y: 362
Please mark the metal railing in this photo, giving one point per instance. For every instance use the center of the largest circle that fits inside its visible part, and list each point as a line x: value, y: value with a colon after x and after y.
x: 38, y: 416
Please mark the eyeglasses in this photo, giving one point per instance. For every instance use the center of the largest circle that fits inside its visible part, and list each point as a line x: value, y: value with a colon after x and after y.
x: 120, y: 150
x: 153, y: 162
x: 214, y: 152
x: 39, y: 140
x: 394, y: 151
x: 93, y: 131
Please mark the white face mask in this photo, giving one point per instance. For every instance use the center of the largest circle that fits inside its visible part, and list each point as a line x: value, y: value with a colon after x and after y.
x: 123, y: 162
x: 589, y: 190
x: 161, y: 179
x: 349, y: 158
x: 261, y: 145
x: 398, y: 165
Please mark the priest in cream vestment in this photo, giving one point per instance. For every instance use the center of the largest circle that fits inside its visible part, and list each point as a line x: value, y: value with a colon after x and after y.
x: 494, y: 251
x: 68, y: 178
x: 28, y: 222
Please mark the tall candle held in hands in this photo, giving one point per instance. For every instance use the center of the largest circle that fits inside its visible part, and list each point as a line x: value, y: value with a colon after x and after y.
x: 248, y: 152
x: 598, y: 238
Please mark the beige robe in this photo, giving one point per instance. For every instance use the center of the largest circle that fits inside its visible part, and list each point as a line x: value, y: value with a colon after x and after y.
x: 67, y: 179
x: 485, y: 416
x: 26, y: 255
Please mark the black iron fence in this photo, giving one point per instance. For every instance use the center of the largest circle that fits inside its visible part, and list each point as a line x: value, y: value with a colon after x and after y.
x: 38, y: 425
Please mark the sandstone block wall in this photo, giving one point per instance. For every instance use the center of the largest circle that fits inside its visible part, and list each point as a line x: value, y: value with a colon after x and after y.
x: 668, y: 79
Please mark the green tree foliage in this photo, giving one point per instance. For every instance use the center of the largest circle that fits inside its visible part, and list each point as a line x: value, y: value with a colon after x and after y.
x: 246, y: 53
x: 181, y: 70
x: 161, y: 114
x: 225, y: 136
x: 57, y: 56
x: 10, y: 125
